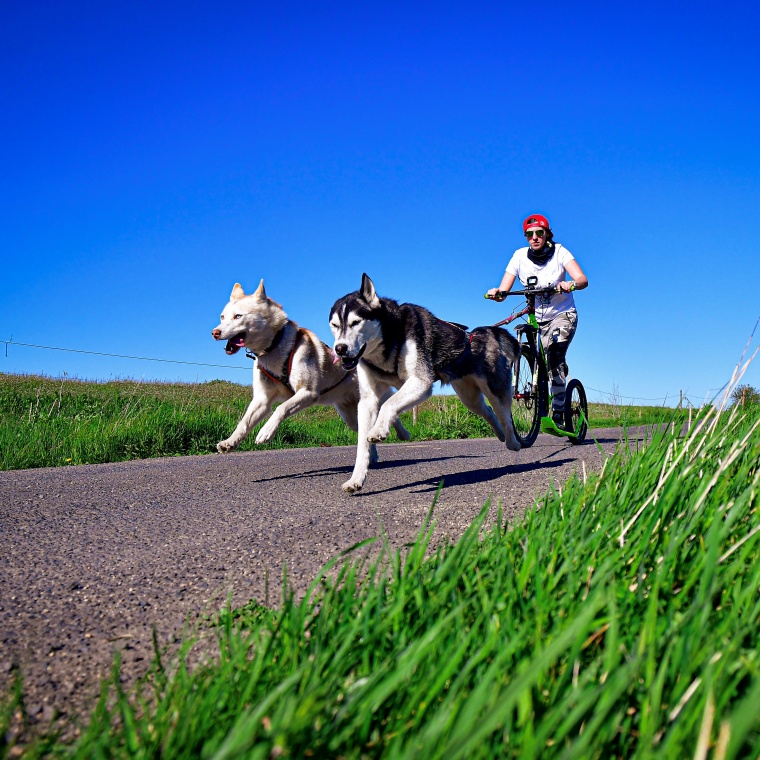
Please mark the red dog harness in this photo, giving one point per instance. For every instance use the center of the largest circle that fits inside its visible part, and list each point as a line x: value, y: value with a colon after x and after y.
x: 284, y: 378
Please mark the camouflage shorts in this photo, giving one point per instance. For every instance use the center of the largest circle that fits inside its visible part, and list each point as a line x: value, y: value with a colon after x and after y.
x: 555, y: 338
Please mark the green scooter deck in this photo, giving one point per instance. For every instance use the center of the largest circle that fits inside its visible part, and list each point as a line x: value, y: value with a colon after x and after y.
x: 549, y: 426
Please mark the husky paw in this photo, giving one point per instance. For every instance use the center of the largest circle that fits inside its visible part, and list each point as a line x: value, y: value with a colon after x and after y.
x: 352, y: 486
x: 378, y: 434
x: 514, y: 445
x: 224, y: 447
x: 266, y: 433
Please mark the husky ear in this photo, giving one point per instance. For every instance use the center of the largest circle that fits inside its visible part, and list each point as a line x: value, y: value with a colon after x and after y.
x: 260, y: 293
x: 237, y: 292
x: 368, y: 293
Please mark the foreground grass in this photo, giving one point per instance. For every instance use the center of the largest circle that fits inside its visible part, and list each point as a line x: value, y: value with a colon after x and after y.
x: 48, y: 423
x: 619, y: 618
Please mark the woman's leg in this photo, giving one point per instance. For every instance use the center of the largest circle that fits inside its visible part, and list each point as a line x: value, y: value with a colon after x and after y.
x: 556, y: 337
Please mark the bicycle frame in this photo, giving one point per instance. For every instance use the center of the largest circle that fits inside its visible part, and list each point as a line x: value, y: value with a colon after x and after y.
x: 533, y: 336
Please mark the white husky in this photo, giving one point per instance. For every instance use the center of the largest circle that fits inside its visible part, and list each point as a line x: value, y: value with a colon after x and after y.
x: 292, y: 366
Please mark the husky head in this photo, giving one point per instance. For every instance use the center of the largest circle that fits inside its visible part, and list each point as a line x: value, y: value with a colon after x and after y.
x: 355, y: 325
x: 249, y: 321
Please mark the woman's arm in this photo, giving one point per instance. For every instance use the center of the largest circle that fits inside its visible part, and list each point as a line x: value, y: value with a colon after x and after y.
x: 575, y: 271
x: 506, y: 285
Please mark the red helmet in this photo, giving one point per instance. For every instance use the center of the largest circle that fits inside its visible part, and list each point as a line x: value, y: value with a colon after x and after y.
x: 536, y: 220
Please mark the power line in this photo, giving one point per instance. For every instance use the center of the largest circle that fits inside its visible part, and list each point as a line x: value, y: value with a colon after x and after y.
x: 659, y: 398
x: 12, y: 342
x: 633, y: 398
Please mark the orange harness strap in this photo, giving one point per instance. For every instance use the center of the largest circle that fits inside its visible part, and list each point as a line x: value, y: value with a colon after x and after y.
x: 286, y: 367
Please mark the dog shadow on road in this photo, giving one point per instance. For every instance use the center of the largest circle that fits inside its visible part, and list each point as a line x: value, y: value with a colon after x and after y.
x: 468, y: 478
x: 326, y: 471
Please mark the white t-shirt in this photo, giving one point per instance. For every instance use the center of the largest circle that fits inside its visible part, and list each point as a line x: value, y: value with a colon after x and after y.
x: 551, y: 273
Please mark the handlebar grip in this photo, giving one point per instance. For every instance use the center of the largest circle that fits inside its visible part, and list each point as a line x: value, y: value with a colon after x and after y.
x: 500, y: 295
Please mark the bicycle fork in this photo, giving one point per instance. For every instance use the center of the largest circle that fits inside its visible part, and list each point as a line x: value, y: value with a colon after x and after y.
x: 534, y: 382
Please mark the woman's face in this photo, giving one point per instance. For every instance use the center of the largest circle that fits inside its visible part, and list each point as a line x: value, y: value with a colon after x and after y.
x: 537, y: 237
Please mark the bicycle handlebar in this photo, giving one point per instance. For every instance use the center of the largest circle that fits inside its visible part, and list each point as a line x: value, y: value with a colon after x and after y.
x: 500, y: 295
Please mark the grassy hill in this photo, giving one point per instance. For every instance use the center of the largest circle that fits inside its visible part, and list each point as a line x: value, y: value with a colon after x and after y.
x: 46, y: 422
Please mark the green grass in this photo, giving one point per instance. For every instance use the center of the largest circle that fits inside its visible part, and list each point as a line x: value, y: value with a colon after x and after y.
x: 619, y: 618
x: 46, y: 422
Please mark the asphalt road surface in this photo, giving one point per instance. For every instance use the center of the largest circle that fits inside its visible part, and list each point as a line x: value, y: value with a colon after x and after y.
x: 93, y: 557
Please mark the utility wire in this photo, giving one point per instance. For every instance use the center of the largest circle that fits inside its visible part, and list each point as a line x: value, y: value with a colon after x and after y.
x: 633, y: 398
x: 12, y: 342
x: 657, y: 398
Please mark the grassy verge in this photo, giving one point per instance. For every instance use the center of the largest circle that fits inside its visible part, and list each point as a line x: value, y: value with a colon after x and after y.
x: 47, y: 423
x: 620, y: 618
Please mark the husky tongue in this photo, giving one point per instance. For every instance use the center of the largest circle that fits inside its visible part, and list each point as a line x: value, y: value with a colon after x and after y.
x: 234, y: 345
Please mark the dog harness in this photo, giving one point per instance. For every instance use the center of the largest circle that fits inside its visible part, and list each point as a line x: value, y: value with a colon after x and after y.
x: 465, y: 334
x: 437, y: 368
x: 284, y: 378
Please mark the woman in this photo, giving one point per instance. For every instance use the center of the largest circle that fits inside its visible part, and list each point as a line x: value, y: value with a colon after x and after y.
x: 550, y: 263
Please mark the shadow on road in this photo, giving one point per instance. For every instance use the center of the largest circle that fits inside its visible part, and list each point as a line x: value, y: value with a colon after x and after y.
x: 324, y: 471
x: 471, y: 477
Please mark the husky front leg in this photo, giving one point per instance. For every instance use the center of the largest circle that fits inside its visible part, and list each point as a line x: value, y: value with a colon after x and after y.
x: 301, y: 399
x: 369, y: 404
x: 257, y: 410
x: 413, y: 392
x: 398, y: 426
x: 348, y: 412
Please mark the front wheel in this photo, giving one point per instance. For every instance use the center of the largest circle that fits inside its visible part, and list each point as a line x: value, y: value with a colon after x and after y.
x: 576, y: 411
x: 527, y: 398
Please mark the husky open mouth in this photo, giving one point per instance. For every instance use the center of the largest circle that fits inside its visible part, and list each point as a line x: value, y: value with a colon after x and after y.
x: 235, y: 343
x: 350, y: 362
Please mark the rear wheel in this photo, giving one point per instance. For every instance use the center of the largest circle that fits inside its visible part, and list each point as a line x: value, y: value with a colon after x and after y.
x: 576, y: 411
x: 527, y: 400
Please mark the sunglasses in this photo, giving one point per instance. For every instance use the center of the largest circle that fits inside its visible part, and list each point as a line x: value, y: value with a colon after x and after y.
x: 538, y: 233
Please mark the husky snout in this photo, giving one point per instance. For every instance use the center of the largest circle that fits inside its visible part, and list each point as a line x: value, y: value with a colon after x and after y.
x: 349, y: 362
x: 234, y: 344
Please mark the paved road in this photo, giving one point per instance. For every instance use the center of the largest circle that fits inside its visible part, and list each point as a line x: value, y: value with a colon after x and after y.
x: 94, y: 556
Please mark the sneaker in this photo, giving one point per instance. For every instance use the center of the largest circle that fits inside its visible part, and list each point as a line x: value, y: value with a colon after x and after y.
x: 558, y: 418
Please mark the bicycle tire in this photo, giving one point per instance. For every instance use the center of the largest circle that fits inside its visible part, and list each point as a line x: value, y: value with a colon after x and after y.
x: 576, y: 410
x: 527, y: 401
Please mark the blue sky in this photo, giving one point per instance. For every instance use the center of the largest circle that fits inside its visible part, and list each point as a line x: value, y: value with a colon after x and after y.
x: 155, y: 154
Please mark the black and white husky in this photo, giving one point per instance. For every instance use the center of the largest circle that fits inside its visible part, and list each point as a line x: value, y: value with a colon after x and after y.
x: 408, y: 348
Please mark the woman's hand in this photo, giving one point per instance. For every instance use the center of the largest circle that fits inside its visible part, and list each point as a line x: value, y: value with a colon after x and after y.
x: 494, y: 293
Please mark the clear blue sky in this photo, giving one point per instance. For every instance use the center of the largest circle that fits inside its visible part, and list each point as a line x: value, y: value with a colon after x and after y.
x: 153, y: 154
